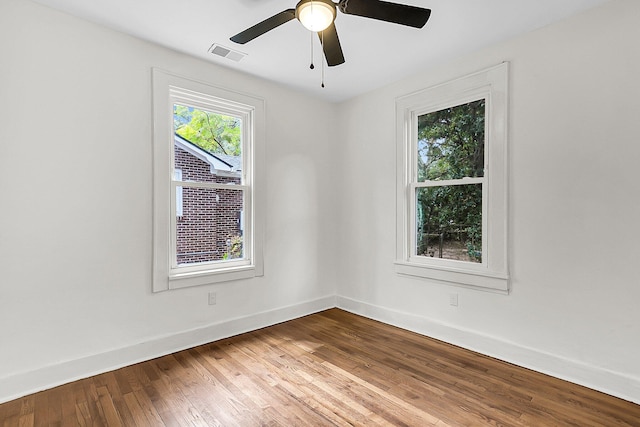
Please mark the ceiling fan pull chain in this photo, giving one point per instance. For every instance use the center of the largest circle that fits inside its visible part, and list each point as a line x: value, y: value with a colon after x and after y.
x: 322, y: 65
x: 311, y: 38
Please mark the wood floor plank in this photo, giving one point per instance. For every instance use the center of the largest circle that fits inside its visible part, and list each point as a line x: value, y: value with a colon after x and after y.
x: 328, y: 369
x: 10, y: 412
x: 108, y: 408
x: 234, y: 403
x: 41, y: 409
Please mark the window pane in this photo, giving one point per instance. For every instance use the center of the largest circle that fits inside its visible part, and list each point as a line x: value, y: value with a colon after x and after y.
x: 217, y: 135
x: 210, y: 228
x: 451, y: 142
x: 449, y: 222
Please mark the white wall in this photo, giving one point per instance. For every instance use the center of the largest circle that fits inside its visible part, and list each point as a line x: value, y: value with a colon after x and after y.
x: 75, y: 217
x: 574, y: 207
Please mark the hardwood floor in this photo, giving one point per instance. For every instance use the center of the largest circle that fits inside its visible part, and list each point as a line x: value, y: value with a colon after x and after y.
x: 330, y: 368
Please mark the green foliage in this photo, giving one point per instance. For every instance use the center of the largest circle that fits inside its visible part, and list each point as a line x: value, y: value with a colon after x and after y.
x: 451, y: 146
x: 451, y: 142
x: 234, y: 248
x: 213, y: 132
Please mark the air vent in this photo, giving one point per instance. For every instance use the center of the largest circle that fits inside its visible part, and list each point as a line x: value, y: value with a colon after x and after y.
x: 226, y: 52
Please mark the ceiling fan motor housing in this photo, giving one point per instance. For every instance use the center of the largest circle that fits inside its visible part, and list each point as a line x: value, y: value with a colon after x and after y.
x: 316, y: 15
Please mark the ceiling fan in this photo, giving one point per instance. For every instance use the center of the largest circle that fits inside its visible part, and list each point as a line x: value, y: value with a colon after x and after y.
x: 319, y: 16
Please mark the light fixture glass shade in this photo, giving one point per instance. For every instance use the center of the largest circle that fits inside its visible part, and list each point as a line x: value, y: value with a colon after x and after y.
x: 316, y: 15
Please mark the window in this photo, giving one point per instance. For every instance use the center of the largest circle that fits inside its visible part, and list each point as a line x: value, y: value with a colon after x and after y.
x: 451, y: 183
x: 208, y: 150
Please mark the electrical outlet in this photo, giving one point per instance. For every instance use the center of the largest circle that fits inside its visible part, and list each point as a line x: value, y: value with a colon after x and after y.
x: 453, y: 300
x: 212, y: 298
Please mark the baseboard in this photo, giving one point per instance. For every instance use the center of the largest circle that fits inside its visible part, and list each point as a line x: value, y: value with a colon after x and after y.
x: 22, y: 384
x: 594, y: 377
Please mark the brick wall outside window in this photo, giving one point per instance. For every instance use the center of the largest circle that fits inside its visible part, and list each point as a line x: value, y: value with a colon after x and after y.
x: 211, y: 217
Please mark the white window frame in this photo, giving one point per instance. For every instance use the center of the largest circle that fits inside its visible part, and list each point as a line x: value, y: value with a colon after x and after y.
x: 492, y: 273
x: 170, y: 89
x: 177, y: 176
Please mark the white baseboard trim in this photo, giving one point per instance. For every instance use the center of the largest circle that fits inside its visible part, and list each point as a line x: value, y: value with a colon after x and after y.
x: 594, y: 377
x: 22, y: 384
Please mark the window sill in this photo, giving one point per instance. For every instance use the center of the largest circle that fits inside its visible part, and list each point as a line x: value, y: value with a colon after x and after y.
x: 185, y: 280
x: 485, y: 280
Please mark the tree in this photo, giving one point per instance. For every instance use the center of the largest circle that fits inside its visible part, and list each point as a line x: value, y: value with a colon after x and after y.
x: 451, y: 142
x: 213, y: 132
x: 450, y: 147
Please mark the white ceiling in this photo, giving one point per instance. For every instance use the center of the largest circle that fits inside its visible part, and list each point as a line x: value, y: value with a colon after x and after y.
x: 376, y: 53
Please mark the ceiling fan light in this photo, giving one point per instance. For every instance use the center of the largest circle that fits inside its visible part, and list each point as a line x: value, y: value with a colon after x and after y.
x: 316, y: 15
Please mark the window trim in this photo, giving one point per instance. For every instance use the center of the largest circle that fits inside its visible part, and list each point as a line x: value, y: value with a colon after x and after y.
x: 492, y: 274
x: 167, y: 89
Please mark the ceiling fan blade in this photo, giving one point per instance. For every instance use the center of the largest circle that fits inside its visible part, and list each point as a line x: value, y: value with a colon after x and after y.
x: 264, y: 26
x: 331, y: 46
x: 403, y: 14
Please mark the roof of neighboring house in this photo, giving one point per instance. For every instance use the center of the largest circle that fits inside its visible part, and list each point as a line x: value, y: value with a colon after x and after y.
x: 234, y: 161
x: 218, y: 162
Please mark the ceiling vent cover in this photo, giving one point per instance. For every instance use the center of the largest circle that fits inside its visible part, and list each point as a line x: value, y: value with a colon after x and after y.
x: 226, y: 52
